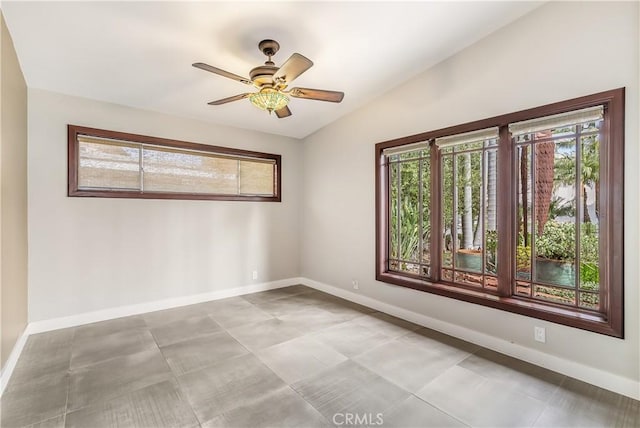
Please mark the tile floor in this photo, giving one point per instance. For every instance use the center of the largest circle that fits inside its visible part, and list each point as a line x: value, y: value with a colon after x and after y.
x: 292, y: 357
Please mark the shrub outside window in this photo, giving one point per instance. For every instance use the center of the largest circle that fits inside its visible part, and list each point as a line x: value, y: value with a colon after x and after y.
x: 521, y: 212
x: 113, y: 164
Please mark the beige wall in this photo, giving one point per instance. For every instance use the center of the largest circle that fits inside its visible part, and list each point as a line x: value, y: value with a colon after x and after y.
x: 13, y: 196
x: 559, y: 51
x: 88, y: 254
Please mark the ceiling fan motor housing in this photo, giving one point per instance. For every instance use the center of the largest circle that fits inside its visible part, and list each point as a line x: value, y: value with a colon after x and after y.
x: 263, y: 75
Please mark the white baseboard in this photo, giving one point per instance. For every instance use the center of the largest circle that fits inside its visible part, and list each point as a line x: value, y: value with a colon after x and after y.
x: 594, y: 376
x: 124, y: 311
x: 10, y: 364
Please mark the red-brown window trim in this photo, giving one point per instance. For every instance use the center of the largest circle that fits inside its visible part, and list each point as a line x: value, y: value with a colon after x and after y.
x: 611, y: 320
x: 74, y: 131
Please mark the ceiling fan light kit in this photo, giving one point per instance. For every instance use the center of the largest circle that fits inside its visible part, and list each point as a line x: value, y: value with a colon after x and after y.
x: 269, y: 99
x: 272, y: 82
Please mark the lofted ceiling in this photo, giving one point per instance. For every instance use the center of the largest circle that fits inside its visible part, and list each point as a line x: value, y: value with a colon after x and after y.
x: 139, y: 54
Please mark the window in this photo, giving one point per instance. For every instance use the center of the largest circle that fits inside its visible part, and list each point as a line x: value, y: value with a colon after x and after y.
x: 112, y: 164
x: 521, y: 212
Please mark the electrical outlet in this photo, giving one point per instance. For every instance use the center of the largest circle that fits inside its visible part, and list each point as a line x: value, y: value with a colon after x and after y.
x: 355, y: 284
x: 540, y: 334
x: 255, y: 274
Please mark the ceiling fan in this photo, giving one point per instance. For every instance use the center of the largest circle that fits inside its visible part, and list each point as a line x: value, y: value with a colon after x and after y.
x: 272, y: 82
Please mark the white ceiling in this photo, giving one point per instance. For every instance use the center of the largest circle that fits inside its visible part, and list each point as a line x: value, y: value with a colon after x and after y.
x: 140, y: 53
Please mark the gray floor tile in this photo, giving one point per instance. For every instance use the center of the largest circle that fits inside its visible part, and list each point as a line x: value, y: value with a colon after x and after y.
x: 299, y: 358
x: 309, y: 298
x: 184, y: 329
x: 159, y: 405
x: 351, y: 339
x: 595, y: 406
x: 386, y: 324
x: 313, y: 319
x: 413, y: 412
x: 288, y: 305
x: 225, y: 386
x: 50, y: 362
x: 337, y: 306
x: 431, y: 339
x: 104, y: 328
x: 349, y: 388
x: 166, y: 316
x: 553, y: 417
x: 532, y: 380
x: 55, y: 422
x: 200, y: 352
x: 480, y: 402
x: 277, y: 293
x: 234, y: 312
x: 51, y: 340
x: 32, y: 402
x: 267, y: 333
x: 278, y: 308
x: 93, y: 350
x: 117, y: 376
x: 44, y: 354
x: 410, y: 366
x: 282, y: 408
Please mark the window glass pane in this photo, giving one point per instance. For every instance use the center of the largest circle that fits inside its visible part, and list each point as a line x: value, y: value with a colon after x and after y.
x: 468, y: 185
x: 426, y: 210
x: 257, y: 178
x: 469, y: 213
x: 167, y: 170
x: 108, y: 165
x: 468, y: 146
x: 468, y: 278
x: 448, y: 227
x: 523, y: 214
x: 555, y: 211
x: 491, y: 212
x: 410, y: 155
x: 409, y: 212
x: 562, y: 196
x: 564, y: 296
x: 393, y: 215
x: 589, y: 223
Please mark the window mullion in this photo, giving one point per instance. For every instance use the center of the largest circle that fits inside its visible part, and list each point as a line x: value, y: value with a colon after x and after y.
x: 141, y: 166
x: 435, y: 213
x: 399, y: 216
x: 420, y: 218
x: 505, y: 202
x: 579, y: 211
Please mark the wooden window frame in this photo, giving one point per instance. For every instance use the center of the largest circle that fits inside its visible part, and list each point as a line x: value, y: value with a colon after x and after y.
x: 73, y: 190
x: 610, y: 319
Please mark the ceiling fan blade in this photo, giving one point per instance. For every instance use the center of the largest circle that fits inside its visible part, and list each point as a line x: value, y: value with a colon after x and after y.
x: 216, y: 70
x: 292, y: 68
x: 228, y: 100
x: 283, y: 112
x: 317, y: 94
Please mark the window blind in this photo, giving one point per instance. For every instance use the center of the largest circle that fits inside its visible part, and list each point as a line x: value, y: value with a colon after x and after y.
x: 108, y: 164
x: 468, y: 137
x: 119, y: 165
x: 406, y: 148
x: 557, y: 121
